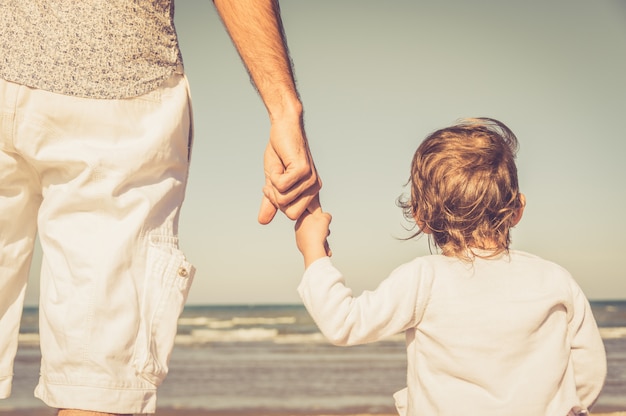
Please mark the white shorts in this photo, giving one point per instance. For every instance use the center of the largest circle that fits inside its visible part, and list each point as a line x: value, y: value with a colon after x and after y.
x: 102, y: 182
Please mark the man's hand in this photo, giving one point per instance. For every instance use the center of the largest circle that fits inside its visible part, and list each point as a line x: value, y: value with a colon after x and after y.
x: 291, y: 181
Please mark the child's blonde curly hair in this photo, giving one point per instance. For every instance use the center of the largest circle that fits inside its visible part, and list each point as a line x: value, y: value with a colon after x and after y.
x: 464, y: 188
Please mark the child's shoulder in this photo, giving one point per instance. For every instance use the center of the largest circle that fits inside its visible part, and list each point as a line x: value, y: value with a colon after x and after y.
x: 431, y: 264
x: 513, y: 258
x: 536, y: 271
x: 513, y: 261
x: 532, y: 260
x: 428, y: 260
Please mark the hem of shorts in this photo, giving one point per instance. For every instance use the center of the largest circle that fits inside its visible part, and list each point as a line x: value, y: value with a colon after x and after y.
x: 137, y: 401
x: 5, y: 386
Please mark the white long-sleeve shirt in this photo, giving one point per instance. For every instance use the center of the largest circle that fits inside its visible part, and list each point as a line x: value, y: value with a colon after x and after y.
x: 507, y: 336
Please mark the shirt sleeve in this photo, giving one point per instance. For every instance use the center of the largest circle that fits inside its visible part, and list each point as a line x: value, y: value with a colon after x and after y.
x: 588, y: 354
x: 396, y: 305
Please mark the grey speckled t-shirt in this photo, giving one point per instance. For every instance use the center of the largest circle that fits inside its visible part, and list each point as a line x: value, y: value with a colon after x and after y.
x: 88, y: 48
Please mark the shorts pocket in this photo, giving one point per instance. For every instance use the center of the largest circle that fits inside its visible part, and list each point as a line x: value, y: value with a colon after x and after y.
x: 167, y: 282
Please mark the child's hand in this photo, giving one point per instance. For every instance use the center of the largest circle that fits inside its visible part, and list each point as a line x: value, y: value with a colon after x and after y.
x: 311, y: 232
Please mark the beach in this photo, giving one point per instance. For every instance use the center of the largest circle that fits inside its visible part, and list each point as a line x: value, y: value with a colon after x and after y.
x: 171, y: 412
x: 271, y: 360
x: 192, y: 412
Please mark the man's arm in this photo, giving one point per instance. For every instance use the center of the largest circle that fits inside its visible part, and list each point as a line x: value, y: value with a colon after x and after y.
x: 291, y: 180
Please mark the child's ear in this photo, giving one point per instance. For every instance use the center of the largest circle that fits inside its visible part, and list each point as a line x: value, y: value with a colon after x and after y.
x: 520, y: 210
x: 421, y: 224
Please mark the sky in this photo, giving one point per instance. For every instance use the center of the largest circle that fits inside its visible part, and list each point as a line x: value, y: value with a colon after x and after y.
x: 375, y: 79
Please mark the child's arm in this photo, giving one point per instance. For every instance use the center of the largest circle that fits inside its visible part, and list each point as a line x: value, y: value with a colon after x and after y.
x: 312, y: 228
x: 397, y: 303
x: 588, y: 354
x: 394, y: 306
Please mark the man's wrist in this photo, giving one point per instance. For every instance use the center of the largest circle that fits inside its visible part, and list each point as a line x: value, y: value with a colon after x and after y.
x: 287, y: 109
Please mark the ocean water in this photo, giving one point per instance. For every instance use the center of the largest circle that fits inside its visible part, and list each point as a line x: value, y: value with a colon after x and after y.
x: 272, y: 357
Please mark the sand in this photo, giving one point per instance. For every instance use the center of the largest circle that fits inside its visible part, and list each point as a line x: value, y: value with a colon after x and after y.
x: 167, y: 412
x: 170, y: 412
x: 190, y: 412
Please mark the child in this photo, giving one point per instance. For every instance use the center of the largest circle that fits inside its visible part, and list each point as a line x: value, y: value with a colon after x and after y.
x: 489, y: 330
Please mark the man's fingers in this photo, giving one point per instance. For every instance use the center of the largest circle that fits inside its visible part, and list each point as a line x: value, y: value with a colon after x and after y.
x: 299, y: 205
x: 267, y: 211
x: 290, y: 174
x: 288, y: 187
x: 293, y: 210
x: 315, y: 205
